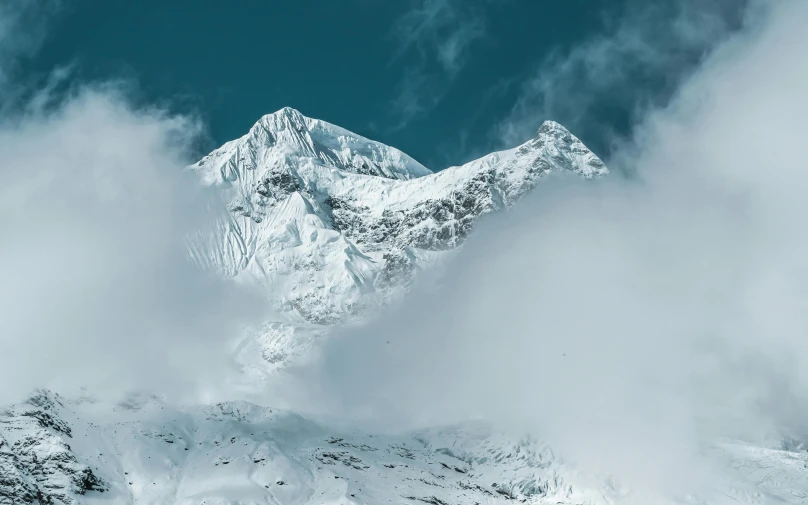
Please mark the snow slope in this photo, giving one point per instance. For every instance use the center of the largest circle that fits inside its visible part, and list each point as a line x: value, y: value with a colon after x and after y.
x: 143, y: 451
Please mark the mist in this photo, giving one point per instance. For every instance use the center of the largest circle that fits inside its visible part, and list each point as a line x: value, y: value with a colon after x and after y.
x: 629, y: 322
x: 96, y: 284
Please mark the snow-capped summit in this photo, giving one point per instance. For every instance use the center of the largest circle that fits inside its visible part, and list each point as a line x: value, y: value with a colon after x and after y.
x: 331, y: 224
x: 288, y: 134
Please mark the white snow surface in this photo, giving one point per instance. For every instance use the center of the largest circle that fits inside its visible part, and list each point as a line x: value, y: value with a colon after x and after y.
x: 330, y: 226
x: 144, y: 451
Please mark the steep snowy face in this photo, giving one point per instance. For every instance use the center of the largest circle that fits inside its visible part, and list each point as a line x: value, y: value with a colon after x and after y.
x: 332, y: 224
x: 276, y: 180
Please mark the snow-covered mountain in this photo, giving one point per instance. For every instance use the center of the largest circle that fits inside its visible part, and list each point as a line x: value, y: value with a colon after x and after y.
x: 330, y: 226
x: 146, y: 452
x: 142, y: 451
x: 327, y: 220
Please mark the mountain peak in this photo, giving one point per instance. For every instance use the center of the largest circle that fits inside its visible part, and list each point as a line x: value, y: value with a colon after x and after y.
x: 564, y: 146
x: 555, y: 132
x: 331, y: 223
x: 287, y: 141
x: 286, y: 111
x: 286, y: 118
x: 288, y: 114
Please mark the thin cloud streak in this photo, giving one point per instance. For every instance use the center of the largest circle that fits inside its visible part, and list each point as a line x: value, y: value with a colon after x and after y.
x: 638, y: 60
x: 23, y: 26
x: 440, y: 33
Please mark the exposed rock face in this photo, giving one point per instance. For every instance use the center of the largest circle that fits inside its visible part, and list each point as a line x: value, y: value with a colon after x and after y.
x: 37, y: 464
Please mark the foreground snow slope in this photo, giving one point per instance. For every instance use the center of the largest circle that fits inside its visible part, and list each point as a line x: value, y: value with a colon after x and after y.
x: 142, y: 451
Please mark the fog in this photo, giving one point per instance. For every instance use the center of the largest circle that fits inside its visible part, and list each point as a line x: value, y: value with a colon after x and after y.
x: 625, y: 321
x: 96, y: 210
x: 96, y: 286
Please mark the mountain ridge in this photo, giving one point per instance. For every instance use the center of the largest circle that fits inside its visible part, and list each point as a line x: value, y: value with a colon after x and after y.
x: 331, y: 225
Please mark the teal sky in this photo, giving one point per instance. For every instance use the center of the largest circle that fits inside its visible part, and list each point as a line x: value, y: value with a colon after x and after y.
x: 435, y: 78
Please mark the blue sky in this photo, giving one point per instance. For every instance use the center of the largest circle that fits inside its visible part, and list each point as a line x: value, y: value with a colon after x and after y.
x: 443, y: 80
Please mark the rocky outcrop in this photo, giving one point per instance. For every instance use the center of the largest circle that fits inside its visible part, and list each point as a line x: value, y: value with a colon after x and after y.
x: 37, y: 464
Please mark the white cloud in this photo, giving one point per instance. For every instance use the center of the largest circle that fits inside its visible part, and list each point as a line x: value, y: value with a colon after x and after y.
x: 96, y: 288
x: 627, y: 321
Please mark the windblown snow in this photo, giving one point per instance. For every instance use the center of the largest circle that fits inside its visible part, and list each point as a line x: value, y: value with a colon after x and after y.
x: 330, y: 226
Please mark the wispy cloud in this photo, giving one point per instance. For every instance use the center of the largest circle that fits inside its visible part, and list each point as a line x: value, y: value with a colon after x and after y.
x: 414, y: 97
x: 440, y: 33
x: 23, y: 25
x: 442, y: 30
x: 637, y: 60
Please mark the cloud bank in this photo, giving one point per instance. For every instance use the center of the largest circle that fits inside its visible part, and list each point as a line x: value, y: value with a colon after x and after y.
x: 627, y: 321
x: 97, y: 289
